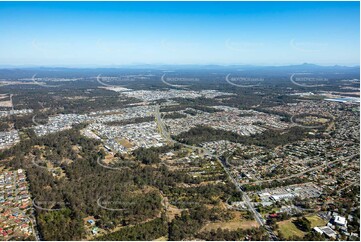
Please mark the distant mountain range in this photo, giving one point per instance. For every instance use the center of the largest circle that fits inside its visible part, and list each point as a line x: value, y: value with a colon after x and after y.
x: 305, y: 66
x: 11, y: 72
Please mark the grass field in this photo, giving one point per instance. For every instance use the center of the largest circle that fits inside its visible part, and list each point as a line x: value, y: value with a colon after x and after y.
x: 163, y: 238
x: 236, y: 223
x: 125, y: 143
x: 316, y: 221
x: 288, y: 229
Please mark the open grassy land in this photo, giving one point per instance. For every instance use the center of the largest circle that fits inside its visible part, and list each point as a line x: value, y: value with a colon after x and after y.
x: 289, y: 229
x: 163, y: 238
x: 316, y: 221
x: 238, y: 222
x: 125, y: 143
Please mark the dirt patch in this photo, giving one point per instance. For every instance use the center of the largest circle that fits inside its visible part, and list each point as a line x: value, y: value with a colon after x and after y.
x: 238, y: 222
x: 172, y: 211
x: 6, y: 104
x: 125, y: 143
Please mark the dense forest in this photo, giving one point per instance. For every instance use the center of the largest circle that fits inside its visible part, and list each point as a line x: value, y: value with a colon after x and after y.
x: 174, y: 115
x: 76, y: 194
x: 269, y: 138
x: 122, y: 197
x: 131, y: 121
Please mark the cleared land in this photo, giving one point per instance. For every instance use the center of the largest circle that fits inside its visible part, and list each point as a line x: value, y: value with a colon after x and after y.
x: 125, y: 143
x: 163, y: 238
x: 236, y: 223
x: 289, y: 229
x: 316, y: 221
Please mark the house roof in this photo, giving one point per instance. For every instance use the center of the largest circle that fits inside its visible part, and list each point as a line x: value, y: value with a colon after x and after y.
x: 317, y: 229
x: 340, y: 220
x: 328, y: 231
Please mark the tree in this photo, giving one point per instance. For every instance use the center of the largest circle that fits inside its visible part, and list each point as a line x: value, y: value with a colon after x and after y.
x: 303, y: 224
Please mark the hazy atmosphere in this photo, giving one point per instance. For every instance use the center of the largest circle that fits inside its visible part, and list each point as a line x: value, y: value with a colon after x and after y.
x: 118, y: 33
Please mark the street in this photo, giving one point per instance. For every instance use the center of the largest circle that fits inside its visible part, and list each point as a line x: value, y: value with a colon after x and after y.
x: 245, y: 197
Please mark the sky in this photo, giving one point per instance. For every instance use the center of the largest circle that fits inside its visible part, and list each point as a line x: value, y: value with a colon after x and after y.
x: 130, y: 33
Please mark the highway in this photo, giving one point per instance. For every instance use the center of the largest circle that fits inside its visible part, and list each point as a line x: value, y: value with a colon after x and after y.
x: 11, y: 101
x: 161, y: 125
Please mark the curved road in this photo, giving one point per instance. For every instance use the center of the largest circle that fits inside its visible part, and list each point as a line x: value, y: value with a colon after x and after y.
x: 245, y: 197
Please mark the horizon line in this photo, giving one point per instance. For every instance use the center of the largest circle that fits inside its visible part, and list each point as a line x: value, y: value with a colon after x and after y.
x: 92, y: 66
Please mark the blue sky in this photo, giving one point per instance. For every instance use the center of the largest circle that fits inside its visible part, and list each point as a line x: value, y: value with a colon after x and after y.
x: 122, y: 33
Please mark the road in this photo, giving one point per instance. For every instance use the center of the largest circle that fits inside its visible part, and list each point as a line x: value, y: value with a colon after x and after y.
x: 258, y: 217
x: 12, y: 103
x: 302, y: 172
x: 30, y: 217
x: 161, y: 125
x: 348, y: 186
x: 245, y: 197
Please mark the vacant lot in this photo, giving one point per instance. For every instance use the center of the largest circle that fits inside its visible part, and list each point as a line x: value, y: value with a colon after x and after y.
x: 172, y: 211
x: 316, y: 221
x: 163, y: 238
x: 6, y: 104
x: 236, y: 223
x: 288, y: 229
x: 125, y: 143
